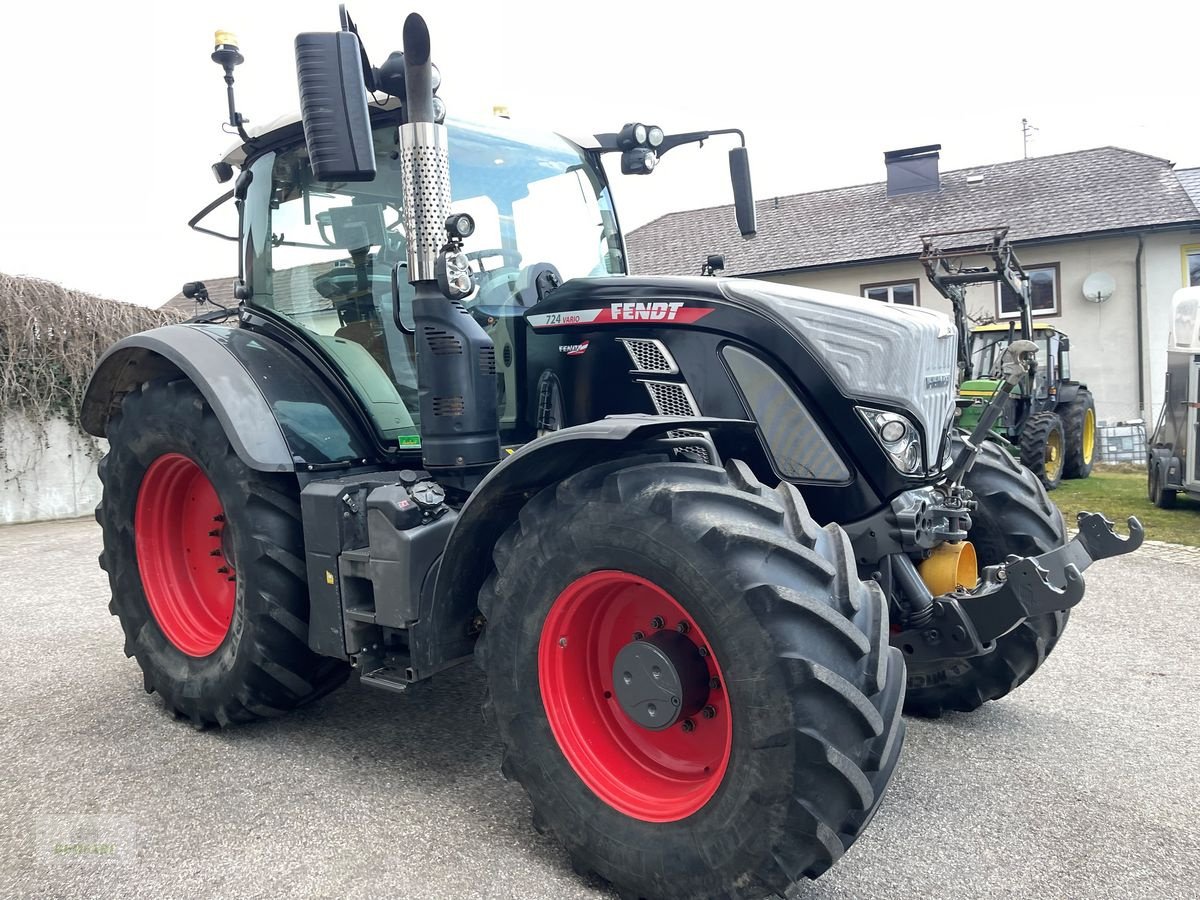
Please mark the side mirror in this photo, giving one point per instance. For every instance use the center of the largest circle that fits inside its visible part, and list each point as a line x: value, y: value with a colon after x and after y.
x: 743, y: 194
x: 333, y: 106
x: 1064, y: 343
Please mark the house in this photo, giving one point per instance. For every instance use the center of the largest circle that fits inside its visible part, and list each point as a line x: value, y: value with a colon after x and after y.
x: 1126, y: 214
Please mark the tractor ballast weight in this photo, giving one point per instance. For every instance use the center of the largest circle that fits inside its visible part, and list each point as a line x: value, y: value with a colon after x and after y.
x: 692, y: 529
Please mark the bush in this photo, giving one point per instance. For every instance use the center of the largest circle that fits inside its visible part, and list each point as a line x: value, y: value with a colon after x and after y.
x: 50, y: 341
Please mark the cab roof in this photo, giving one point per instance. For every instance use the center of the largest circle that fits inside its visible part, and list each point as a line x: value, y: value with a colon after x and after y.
x: 237, y: 154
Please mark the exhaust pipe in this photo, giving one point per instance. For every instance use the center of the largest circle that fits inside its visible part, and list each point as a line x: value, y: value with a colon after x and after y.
x: 456, y: 359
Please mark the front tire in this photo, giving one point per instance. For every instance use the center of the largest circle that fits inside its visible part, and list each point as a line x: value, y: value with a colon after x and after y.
x: 801, y: 727
x: 1014, y: 516
x: 205, y: 558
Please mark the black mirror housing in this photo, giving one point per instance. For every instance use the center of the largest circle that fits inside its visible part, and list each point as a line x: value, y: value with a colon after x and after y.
x: 333, y: 106
x: 743, y: 193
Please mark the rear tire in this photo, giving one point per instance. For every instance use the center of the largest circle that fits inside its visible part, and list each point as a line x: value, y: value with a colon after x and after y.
x: 1014, y: 516
x: 257, y: 662
x: 1079, y: 425
x: 1043, y: 445
x: 814, y: 690
x: 1160, y: 496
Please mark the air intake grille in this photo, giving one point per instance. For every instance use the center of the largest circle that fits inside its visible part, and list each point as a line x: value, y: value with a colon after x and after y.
x: 671, y: 399
x: 698, y: 452
x: 448, y: 406
x: 443, y: 343
x: 487, y: 361
x: 649, y: 356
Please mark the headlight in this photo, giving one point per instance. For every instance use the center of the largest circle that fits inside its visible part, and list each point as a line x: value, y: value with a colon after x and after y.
x: 897, y: 436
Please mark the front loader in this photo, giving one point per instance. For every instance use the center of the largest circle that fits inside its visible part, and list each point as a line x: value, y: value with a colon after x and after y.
x: 1050, y: 422
x: 692, y: 529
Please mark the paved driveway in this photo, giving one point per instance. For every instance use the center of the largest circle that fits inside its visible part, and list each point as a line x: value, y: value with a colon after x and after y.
x: 1085, y: 783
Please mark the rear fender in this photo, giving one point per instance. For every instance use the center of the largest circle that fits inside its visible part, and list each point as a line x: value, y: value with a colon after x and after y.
x: 278, y: 413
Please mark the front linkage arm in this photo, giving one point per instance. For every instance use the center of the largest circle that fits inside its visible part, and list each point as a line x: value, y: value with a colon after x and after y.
x: 967, y: 623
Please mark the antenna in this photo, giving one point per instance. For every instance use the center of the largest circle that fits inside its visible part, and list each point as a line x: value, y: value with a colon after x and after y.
x: 1027, y: 132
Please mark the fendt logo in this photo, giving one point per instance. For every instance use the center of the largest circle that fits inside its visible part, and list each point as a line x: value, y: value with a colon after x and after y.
x: 937, y: 381
x: 574, y: 349
x: 657, y: 311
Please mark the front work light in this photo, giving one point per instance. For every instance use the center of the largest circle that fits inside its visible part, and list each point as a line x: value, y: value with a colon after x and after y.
x: 897, y: 436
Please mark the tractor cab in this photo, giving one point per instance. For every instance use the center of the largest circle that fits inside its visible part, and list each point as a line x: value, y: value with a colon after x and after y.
x: 987, y: 346
x: 322, y: 255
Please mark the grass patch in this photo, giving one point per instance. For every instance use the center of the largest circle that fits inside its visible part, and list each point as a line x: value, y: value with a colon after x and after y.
x: 1122, y: 494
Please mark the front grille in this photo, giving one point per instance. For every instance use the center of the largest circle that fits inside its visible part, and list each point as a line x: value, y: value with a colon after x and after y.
x: 671, y: 399
x: 649, y: 356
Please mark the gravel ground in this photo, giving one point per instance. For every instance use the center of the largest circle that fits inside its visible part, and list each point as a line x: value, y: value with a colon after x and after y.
x: 1084, y: 783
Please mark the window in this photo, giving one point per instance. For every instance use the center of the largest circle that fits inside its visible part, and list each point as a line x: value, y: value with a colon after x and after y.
x: 1191, y: 265
x: 1043, y: 293
x: 902, y: 292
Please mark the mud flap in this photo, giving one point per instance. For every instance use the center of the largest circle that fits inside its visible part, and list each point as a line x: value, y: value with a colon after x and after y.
x: 967, y: 623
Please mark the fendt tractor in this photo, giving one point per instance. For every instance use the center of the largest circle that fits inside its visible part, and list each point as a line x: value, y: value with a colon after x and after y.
x: 1050, y: 422
x: 692, y: 529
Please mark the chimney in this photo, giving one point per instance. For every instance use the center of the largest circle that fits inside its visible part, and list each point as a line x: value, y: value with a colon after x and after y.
x: 913, y: 170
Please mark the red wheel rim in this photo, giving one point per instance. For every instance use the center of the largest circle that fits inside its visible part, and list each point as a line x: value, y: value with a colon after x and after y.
x: 189, y: 582
x: 654, y: 776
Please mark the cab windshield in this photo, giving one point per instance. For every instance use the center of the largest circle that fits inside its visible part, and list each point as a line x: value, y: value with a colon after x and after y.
x: 321, y: 254
x: 987, y: 351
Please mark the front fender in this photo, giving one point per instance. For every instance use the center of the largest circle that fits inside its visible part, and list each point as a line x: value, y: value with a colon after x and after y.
x: 494, y: 505
x: 278, y: 413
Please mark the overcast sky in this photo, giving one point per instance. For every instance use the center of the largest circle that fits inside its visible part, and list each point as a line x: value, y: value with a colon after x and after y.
x: 112, y: 112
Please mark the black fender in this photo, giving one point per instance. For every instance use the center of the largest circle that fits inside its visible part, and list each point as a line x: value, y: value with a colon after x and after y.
x: 1068, y: 392
x: 278, y: 413
x: 1169, y: 465
x: 494, y: 505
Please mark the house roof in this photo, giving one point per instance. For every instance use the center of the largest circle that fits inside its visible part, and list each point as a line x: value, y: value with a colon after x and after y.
x: 1065, y: 195
x: 1190, y: 179
x: 219, y: 289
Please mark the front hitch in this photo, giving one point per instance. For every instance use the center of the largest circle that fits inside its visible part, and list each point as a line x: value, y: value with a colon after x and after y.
x: 967, y: 623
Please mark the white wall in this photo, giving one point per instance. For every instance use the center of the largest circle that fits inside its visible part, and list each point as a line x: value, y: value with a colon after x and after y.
x: 46, y: 474
x: 1103, y: 336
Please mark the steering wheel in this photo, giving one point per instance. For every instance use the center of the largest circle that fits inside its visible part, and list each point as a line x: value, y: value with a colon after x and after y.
x: 510, y: 257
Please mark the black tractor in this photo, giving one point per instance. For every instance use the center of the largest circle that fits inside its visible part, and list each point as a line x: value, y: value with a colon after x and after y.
x: 692, y: 529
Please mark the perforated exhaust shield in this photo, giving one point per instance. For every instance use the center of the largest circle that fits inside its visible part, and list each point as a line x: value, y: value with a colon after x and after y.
x: 425, y: 164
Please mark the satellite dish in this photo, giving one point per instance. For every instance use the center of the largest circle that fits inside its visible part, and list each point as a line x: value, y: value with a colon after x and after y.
x: 1098, y: 287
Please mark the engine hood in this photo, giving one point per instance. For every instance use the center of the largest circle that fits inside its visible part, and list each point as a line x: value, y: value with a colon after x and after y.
x: 895, y: 355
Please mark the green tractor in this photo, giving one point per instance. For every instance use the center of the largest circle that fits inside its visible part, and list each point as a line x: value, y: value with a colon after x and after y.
x: 1050, y: 425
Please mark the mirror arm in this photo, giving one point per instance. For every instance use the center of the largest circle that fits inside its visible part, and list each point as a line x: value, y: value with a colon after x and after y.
x: 609, y: 141
x: 192, y: 222
x: 671, y: 141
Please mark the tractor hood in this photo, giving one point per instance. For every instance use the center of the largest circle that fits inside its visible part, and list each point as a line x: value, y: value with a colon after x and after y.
x: 873, y: 354
x: 895, y: 355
